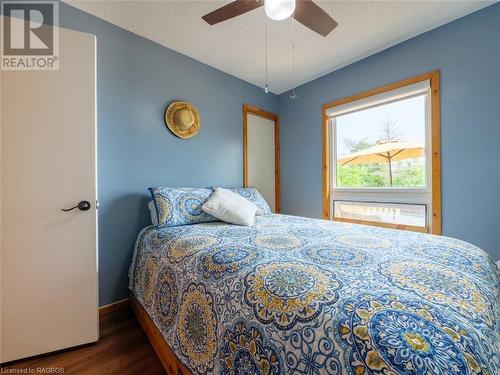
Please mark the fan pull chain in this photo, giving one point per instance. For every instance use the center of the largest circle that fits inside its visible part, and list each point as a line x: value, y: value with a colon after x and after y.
x: 294, y: 94
x: 266, y: 88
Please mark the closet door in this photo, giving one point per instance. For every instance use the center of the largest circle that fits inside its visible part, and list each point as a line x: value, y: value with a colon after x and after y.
x: 49, y: 295
x: 261, y: 154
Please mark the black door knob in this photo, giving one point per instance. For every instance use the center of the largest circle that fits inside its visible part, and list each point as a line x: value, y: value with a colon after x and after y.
x: 82, y: 206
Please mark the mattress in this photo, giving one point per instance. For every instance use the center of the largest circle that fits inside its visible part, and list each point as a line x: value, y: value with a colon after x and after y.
x: 294, y: 295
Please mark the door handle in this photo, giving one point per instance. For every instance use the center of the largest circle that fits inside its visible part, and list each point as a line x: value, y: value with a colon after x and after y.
x: 82, y: 206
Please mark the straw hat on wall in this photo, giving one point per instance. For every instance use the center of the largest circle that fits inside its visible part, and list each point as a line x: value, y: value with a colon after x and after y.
x: 183, y: 119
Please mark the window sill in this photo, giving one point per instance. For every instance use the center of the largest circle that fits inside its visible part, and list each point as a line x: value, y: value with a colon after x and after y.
x: 384, y: 225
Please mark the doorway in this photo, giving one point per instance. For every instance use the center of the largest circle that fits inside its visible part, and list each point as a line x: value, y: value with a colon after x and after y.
x: 261, y: 154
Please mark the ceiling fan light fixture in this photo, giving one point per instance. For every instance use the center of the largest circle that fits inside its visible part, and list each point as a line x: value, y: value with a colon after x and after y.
x: 279, y: 10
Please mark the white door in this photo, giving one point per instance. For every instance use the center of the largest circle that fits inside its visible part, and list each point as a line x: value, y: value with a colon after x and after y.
x: 261, y: 167
x: 49, y: 295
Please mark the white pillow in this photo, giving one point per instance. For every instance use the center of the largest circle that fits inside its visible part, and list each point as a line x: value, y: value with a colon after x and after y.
x: 230, y: 207
x: 152, y: 212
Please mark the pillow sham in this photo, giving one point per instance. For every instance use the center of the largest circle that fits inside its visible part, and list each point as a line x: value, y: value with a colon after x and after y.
x: 152, y: 212
x: 180, y: 206
x: 230, y: 207
x: 253, y: 195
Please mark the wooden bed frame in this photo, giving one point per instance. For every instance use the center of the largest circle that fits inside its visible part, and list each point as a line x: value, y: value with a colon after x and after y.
x: 167, y: 358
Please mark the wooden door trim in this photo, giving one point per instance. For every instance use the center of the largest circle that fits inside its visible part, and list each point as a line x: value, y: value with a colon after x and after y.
x: 250, y: 109
x: 434, y: 79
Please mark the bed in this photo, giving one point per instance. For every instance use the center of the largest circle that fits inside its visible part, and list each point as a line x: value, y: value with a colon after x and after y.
x: 294, y: 295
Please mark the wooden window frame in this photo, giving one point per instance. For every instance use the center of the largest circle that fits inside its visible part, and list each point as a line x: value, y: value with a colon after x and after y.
x: 434, y: 79
x: 250, y: 109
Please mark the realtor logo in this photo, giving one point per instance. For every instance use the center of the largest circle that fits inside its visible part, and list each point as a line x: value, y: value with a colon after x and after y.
x: 30, y: 37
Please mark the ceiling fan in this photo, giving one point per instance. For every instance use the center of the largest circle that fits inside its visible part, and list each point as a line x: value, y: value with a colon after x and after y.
x: 305, y: 11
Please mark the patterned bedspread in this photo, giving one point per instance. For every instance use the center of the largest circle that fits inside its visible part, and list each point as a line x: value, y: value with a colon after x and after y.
x: 302, y: 296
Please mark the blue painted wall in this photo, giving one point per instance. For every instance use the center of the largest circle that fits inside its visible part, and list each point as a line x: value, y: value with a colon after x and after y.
x: 136, y: 79
x: 467, y: 51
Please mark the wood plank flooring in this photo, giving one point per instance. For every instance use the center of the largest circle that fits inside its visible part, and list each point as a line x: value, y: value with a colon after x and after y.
x: 122, y: 349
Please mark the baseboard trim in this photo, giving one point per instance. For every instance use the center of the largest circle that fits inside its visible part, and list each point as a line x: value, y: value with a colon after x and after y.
x: 118, y: 305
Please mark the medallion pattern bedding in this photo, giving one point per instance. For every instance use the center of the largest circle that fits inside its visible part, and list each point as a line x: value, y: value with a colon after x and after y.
x: 292, y: 295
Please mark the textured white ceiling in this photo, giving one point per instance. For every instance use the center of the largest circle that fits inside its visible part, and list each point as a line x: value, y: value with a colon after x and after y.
x: 237, y: 46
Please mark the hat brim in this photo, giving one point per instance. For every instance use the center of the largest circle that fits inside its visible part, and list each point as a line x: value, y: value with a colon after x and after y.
x: 173, y: 126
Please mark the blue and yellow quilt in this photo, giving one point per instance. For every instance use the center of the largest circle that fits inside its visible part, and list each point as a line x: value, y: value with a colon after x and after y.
x: 293, y: 295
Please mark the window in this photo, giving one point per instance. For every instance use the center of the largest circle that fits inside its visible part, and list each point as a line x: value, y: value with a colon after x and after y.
x: 381, y: 156
x: 393, y: 213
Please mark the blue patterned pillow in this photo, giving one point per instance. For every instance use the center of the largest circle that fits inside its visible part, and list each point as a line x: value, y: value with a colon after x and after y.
x: 253, y: 195
x: 180, y: 206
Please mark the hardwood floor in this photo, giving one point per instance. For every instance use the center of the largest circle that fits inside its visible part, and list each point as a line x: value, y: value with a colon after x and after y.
x: 122, y: 349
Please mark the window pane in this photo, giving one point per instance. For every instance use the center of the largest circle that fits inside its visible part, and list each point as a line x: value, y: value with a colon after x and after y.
x: 394, y: 213
x: 382, y: 146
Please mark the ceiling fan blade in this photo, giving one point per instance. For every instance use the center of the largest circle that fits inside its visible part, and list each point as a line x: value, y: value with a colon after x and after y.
x: 313, y: 17
x: 231, y: 10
